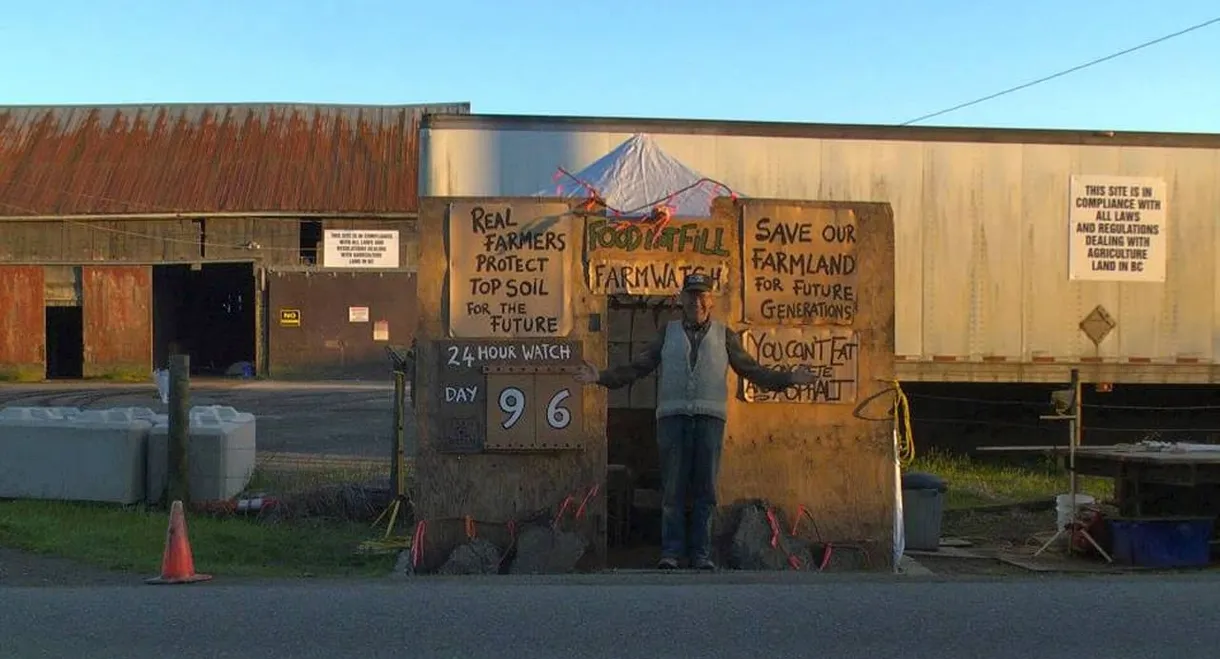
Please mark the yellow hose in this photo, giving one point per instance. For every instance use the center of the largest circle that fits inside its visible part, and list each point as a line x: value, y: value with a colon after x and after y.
x: 902, y: 415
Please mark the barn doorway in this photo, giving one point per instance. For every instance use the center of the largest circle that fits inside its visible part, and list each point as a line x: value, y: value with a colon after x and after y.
x: 65, y: 342
x: 208, y: 312
x: 634, y: 477
x: 64, y: 322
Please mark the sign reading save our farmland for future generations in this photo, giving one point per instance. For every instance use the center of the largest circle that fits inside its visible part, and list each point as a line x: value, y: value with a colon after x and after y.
x: 1117, y: 229
x: 798, y: 265
x: 638, y: 259
x: 509, y: 265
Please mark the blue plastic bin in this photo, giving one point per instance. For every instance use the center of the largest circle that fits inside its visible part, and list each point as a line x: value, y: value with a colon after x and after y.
x: 1162, y: 542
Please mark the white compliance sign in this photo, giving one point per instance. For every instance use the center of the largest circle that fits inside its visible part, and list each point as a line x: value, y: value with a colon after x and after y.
x: 342, y: 248
x: 1117, y: 229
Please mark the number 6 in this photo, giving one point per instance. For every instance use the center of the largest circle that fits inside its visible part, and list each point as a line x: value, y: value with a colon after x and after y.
x: 557, y: 416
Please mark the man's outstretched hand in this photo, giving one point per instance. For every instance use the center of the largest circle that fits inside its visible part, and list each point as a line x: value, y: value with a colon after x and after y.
x: 802, y: 375
x: 587, y: 373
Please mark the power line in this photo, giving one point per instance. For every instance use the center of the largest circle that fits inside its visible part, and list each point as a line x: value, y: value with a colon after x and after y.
x: 1065, y: 72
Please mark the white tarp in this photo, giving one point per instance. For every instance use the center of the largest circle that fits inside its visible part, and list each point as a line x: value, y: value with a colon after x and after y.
x: 636, y: 175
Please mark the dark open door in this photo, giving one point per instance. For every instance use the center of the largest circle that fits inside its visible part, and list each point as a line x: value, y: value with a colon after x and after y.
x: 117, y: 310
x: 22, y: 325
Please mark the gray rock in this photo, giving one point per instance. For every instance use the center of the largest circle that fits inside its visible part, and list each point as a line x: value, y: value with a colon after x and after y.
x: 475, y: 557
x: 403, y: 567
x: 750, y: 548
x: 543, y: 550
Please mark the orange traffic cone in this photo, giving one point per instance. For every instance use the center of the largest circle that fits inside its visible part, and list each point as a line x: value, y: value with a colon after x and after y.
x: 177, y: 564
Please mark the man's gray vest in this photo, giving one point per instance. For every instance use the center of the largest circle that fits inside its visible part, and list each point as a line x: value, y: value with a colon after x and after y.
x: 703, y: 389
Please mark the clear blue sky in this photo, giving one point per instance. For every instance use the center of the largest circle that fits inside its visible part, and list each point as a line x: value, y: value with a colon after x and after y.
x: 868, y: 61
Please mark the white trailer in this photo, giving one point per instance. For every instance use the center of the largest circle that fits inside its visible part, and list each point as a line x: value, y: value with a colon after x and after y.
x: 983, y: 224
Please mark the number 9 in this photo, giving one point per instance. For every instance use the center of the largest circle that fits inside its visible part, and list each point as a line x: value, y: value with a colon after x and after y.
x: 512, y: 403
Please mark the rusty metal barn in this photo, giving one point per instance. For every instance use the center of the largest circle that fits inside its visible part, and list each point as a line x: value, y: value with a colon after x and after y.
x: 277, y: 240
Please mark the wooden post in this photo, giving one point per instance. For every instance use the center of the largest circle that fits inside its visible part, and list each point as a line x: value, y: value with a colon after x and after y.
x: 179, y: 428
x: 1077, y: 429
x: 398, y: 478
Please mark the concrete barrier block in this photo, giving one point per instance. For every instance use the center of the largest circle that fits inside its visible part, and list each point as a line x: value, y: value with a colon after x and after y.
x: 82, y: 457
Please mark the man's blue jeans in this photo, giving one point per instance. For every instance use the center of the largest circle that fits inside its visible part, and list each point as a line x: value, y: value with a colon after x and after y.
x: 690, y: 461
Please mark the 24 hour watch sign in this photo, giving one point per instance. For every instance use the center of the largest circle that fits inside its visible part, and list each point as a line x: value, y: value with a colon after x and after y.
x: 1117, y: 229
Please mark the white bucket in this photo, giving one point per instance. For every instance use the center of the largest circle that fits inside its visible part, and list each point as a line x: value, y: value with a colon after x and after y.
x: 161, y: 377
x: 1063, y: 506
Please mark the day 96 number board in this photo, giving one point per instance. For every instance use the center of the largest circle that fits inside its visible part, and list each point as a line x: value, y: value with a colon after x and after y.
x: 532, y: 408
x: 516, y: 395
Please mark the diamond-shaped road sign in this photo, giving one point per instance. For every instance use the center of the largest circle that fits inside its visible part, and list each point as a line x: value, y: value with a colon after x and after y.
x: 1097, y: 325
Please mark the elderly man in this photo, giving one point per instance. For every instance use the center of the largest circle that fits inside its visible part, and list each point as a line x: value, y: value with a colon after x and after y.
x: 694, y: 355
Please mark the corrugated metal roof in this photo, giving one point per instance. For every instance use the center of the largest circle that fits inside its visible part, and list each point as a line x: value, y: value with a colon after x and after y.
x: 139, y: 159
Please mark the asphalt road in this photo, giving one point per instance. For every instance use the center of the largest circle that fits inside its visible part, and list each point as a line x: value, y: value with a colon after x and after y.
x: 621, y: 617
x: 351, y: 419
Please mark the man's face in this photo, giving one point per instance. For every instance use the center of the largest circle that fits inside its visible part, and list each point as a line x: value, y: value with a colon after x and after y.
x: 696, y: 306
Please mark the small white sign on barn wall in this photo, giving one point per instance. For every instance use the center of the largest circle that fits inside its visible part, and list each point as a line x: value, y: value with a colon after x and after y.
x: 1117, y: 229
x: 358, y: 248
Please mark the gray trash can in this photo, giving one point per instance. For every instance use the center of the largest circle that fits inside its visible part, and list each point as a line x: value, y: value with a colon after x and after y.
x: 922, y: 510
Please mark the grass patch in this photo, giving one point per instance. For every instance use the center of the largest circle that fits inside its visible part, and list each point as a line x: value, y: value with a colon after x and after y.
x: 298, y: 478
x: 133, y: 538
x: 974, y: 482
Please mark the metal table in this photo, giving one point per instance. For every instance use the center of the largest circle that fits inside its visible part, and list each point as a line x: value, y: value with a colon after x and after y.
x: 1132, y: 467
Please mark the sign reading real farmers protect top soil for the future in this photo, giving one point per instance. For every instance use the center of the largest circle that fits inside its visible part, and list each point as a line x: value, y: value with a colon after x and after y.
x: 798, y: 265
x: 508, y: 270
x: 1117, y: 228
x: 343, y: 248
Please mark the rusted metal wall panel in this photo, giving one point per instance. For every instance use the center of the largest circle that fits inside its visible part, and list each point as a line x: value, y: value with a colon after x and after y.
x: 332, y: 340
x: 73, y: 160
x: 981, y: 230
x: 273, y: 241
x: 117, y: 311
x: 22, y: 323
x: 69, y: 241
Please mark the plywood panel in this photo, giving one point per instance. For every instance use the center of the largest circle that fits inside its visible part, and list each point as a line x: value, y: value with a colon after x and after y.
x: 22, y: 323
x: 117, y: 308
x: 496, y: 487
x: 820, y: 455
